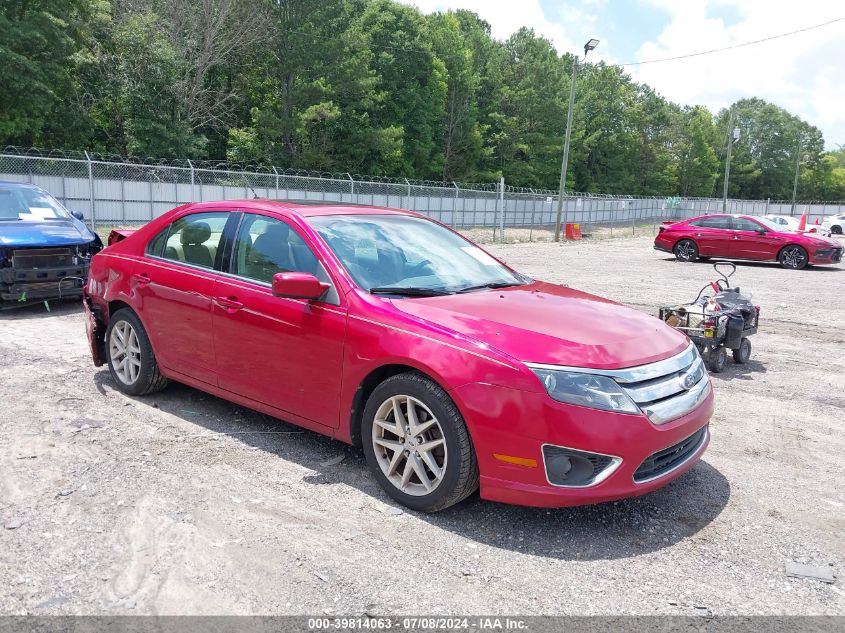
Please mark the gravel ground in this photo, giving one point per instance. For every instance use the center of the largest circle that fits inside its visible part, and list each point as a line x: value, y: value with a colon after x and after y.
x: 120, y: 505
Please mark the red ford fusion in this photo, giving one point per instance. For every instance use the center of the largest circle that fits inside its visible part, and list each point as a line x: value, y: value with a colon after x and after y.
x: 745, y: 237
x: 388, y: 330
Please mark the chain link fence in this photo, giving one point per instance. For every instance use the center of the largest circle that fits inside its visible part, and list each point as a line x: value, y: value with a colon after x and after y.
x: 117, y: 192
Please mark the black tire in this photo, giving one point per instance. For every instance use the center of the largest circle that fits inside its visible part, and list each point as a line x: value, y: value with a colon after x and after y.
x: 717, y: 359
x: 460, y: 478
x: 685, y: 251
x: 836, y: 229
x: 793, y: 257
x: 743, y: 352
x: 149, y: 378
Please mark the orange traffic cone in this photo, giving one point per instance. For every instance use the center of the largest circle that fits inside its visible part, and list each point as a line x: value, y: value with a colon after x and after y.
x: 802, y: 224
x: 817, y: 222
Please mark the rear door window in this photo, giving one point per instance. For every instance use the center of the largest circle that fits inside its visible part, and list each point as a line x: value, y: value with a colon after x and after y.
x: 717, y: 222
x: 194, y: 239
x: 744, y: 224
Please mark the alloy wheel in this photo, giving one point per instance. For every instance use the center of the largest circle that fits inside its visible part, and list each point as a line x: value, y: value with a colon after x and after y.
x: 794, y: 257
x: 125, y: 352
x: 685, y: 250
x: 409, y: 445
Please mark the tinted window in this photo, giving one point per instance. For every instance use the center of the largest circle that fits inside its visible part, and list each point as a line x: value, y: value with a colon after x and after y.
x: 195, y: 239
x: 742, y: 224
x: 266, y: 246
x: 156, y: 244
x: 715, y: 222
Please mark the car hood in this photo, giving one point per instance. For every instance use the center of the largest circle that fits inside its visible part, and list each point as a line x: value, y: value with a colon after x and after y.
x: 22, y: 233
x: 806, y: 238
x: 551, y: 324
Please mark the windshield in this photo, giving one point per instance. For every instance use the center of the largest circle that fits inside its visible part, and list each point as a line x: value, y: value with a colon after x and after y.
x: 392, y: 252
x: 29, y: 203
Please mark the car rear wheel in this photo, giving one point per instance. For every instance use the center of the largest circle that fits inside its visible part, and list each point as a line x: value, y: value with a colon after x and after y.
x: 132, y: 364
x: 417, y: 444
x: 836, y: 229
x: 743, y: 352
x: 686, y: 251
x: 793, y: 257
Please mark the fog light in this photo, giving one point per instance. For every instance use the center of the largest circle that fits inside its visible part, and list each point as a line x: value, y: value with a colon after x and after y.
x: 577, y: 469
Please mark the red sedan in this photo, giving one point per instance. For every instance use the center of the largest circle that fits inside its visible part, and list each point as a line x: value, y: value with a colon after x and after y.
x: 745, y: 237
x: 387, y: 330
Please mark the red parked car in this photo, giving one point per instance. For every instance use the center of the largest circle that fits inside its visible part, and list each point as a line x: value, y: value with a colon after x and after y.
x: 388, y: 330
x: 745, y: 237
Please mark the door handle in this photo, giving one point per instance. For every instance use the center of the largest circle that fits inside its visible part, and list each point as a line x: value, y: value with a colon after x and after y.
x: 142, y: 279
x: 229, y: 303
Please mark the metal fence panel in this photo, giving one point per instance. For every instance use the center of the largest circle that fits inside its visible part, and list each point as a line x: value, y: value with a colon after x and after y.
x: 124, y: 193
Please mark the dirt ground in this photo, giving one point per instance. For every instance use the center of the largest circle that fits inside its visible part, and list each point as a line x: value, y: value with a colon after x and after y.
x: 181, y: 503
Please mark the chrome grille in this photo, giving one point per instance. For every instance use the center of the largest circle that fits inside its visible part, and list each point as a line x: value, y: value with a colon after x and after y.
x: 682, y: 386
x: 664, y: 391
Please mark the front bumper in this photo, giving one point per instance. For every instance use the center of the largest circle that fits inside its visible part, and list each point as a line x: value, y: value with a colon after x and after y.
x: 22, y: 284
x: 518, y: 423
x: 826, y: 255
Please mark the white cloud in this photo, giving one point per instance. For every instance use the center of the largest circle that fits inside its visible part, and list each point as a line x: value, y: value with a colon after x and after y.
x: 802, y: 73
x: 567, y: 31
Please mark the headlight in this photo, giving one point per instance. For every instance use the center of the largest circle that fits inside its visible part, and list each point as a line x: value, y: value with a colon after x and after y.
x: 586, y: 390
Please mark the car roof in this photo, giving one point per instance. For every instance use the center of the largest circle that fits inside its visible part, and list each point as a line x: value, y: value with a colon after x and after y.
x: 724, y: 215
x: 304, y: 208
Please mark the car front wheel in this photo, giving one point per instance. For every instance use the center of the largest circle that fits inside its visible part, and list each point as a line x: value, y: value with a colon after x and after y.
x: 132, y: 364
x: 686, y: 251
x: 417, y: 444
x: 793, y: 257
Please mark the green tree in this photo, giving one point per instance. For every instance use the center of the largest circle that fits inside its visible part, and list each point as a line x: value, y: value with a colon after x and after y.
x: 526, y: 116
x: 698, y: 163
x: 39, y: 44
x: 413, y: 81
x: 461, y: 139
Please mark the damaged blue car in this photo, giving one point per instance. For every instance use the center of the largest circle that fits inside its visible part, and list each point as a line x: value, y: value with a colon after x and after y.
x: 45, y: 250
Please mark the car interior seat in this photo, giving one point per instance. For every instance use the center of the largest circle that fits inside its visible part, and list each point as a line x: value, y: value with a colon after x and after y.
x: 193, y: 239
x: 270, y: 254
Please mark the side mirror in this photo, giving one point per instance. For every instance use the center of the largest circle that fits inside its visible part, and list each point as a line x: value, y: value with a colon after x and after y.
x: 78, y: 215
x: 298, y: 286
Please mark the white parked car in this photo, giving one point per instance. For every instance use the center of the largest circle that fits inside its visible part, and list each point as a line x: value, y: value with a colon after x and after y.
x: 791, y: 223
x: 787, y: 222
x: 835, y: 224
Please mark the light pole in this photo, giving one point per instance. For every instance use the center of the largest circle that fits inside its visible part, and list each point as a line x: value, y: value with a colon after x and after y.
x: 590, y: 45
x: 733, y: 136
x: 797, y: 170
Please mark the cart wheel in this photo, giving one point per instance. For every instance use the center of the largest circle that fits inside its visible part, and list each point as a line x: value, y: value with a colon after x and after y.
x: 717, y: 360
x: 743, y: 352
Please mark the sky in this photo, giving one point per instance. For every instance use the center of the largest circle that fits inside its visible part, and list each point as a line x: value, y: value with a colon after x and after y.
x: 803, y: 73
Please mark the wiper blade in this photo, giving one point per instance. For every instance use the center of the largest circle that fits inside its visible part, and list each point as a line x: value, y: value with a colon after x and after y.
x: 492, y: 285
x: 408, y: 291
